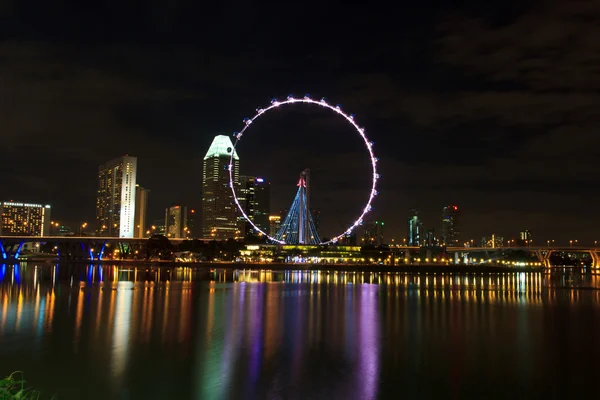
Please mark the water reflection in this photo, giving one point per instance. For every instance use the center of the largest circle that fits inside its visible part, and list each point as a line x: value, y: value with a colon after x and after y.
x: 267, y: 334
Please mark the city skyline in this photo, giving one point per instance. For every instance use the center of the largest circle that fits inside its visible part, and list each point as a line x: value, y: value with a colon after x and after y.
x: 512, y: 146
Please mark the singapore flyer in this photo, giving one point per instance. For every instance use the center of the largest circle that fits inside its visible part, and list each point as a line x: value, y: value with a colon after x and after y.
x: 275, y: 104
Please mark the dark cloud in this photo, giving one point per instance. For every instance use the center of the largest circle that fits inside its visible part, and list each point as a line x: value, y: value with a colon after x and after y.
x: 493, y: 108
x: 553, y: 48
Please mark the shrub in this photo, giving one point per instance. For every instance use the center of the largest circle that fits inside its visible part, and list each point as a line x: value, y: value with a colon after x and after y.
x: 13, y: 388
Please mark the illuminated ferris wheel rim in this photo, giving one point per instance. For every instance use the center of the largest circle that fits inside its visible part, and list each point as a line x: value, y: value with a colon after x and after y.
x: 349, y: 117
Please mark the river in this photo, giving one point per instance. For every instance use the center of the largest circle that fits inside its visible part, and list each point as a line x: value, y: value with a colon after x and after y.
x: 118, y: 332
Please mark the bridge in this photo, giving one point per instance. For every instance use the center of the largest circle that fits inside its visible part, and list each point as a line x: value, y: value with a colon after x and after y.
x: 542, y: 255
x: 94, y: 248
x: 76, y: 247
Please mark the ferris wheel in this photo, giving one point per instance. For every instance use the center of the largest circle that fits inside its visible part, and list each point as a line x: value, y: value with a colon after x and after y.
x: 275, y: 104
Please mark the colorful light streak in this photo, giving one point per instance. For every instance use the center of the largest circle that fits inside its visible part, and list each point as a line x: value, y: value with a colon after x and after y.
x: 322, y: 103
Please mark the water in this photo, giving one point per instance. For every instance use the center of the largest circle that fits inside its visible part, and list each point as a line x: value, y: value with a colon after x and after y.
x: 84, y: 332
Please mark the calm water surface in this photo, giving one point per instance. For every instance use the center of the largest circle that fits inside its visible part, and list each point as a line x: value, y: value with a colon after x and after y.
x: 90, y: 332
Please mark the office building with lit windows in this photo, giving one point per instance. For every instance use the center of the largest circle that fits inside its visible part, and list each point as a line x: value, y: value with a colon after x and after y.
x: 525, y: 238
x: 219, y: 211
x: 274, y: 224
x: 254, y: 195
x: 191, y: 223
x: 115, y: 204
x: 492, y: 241
x: 373, y: 233
x: 415, y: 229
x: 24, y: 219
x: 450, y: 226
x: 141, y: 204
x: 176, y: 218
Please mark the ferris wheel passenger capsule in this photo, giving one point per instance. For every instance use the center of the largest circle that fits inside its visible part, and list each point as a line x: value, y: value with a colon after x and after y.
x: 323, y: 101
x: 290, y: 97
x: 306, y: 97
x: 351, y: 116
x: 338, y: 106
x: 273, y: 100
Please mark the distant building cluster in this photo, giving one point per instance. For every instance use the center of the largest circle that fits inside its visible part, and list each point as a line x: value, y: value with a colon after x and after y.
x: 417, y: 235
x: 122, y: 204
x: 122, y: 211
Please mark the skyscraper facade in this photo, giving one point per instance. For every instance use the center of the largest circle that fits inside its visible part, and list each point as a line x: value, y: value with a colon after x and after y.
x: 24, y: 219
x: 176, y: 222
x: 430, y: 239
x: 450, y: 226
x: 525, y: 238
x: 492, y: 241
x: 254, y: 195
x: 262, y: 203
x: 274, y: 224
x: 373, y: 233
x: 141, y: 203
x: 219, y: 212
x: 191, y: 223
x: 415, y: 229
x: 115, y: 205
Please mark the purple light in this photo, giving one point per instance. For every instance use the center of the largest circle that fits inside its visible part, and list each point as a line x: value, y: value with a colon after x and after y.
x: 349, y: 118
x: 260, y: 180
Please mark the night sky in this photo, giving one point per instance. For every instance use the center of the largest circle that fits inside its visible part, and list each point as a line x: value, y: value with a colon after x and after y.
x: 493, y: 106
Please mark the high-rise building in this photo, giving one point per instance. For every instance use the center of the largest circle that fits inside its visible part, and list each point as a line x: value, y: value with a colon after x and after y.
x: 262, y: 203
x: 24, y: 219
x: 176, y: 222
x: 219, y: 211
x: 450, y: 226
x: 373, y: 233
x: 158, y: 227
x: 141, y: 203
x: 492, y: 241
x: 415, y: 229
x: 254, y: 195
x: 316, y: 216
x: 348, y: 239
x: 115, y: 205
x: 274, y: 224
x: 191, y: 223
x: 430, y: 239
x: 525, y: 238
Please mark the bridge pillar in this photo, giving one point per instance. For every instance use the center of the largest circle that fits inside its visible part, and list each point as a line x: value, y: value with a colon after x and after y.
x: 546, y: 259
x: 595, y: 259
x: 11, y: 251
x: 101, y: 252
x: 456, y: 258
